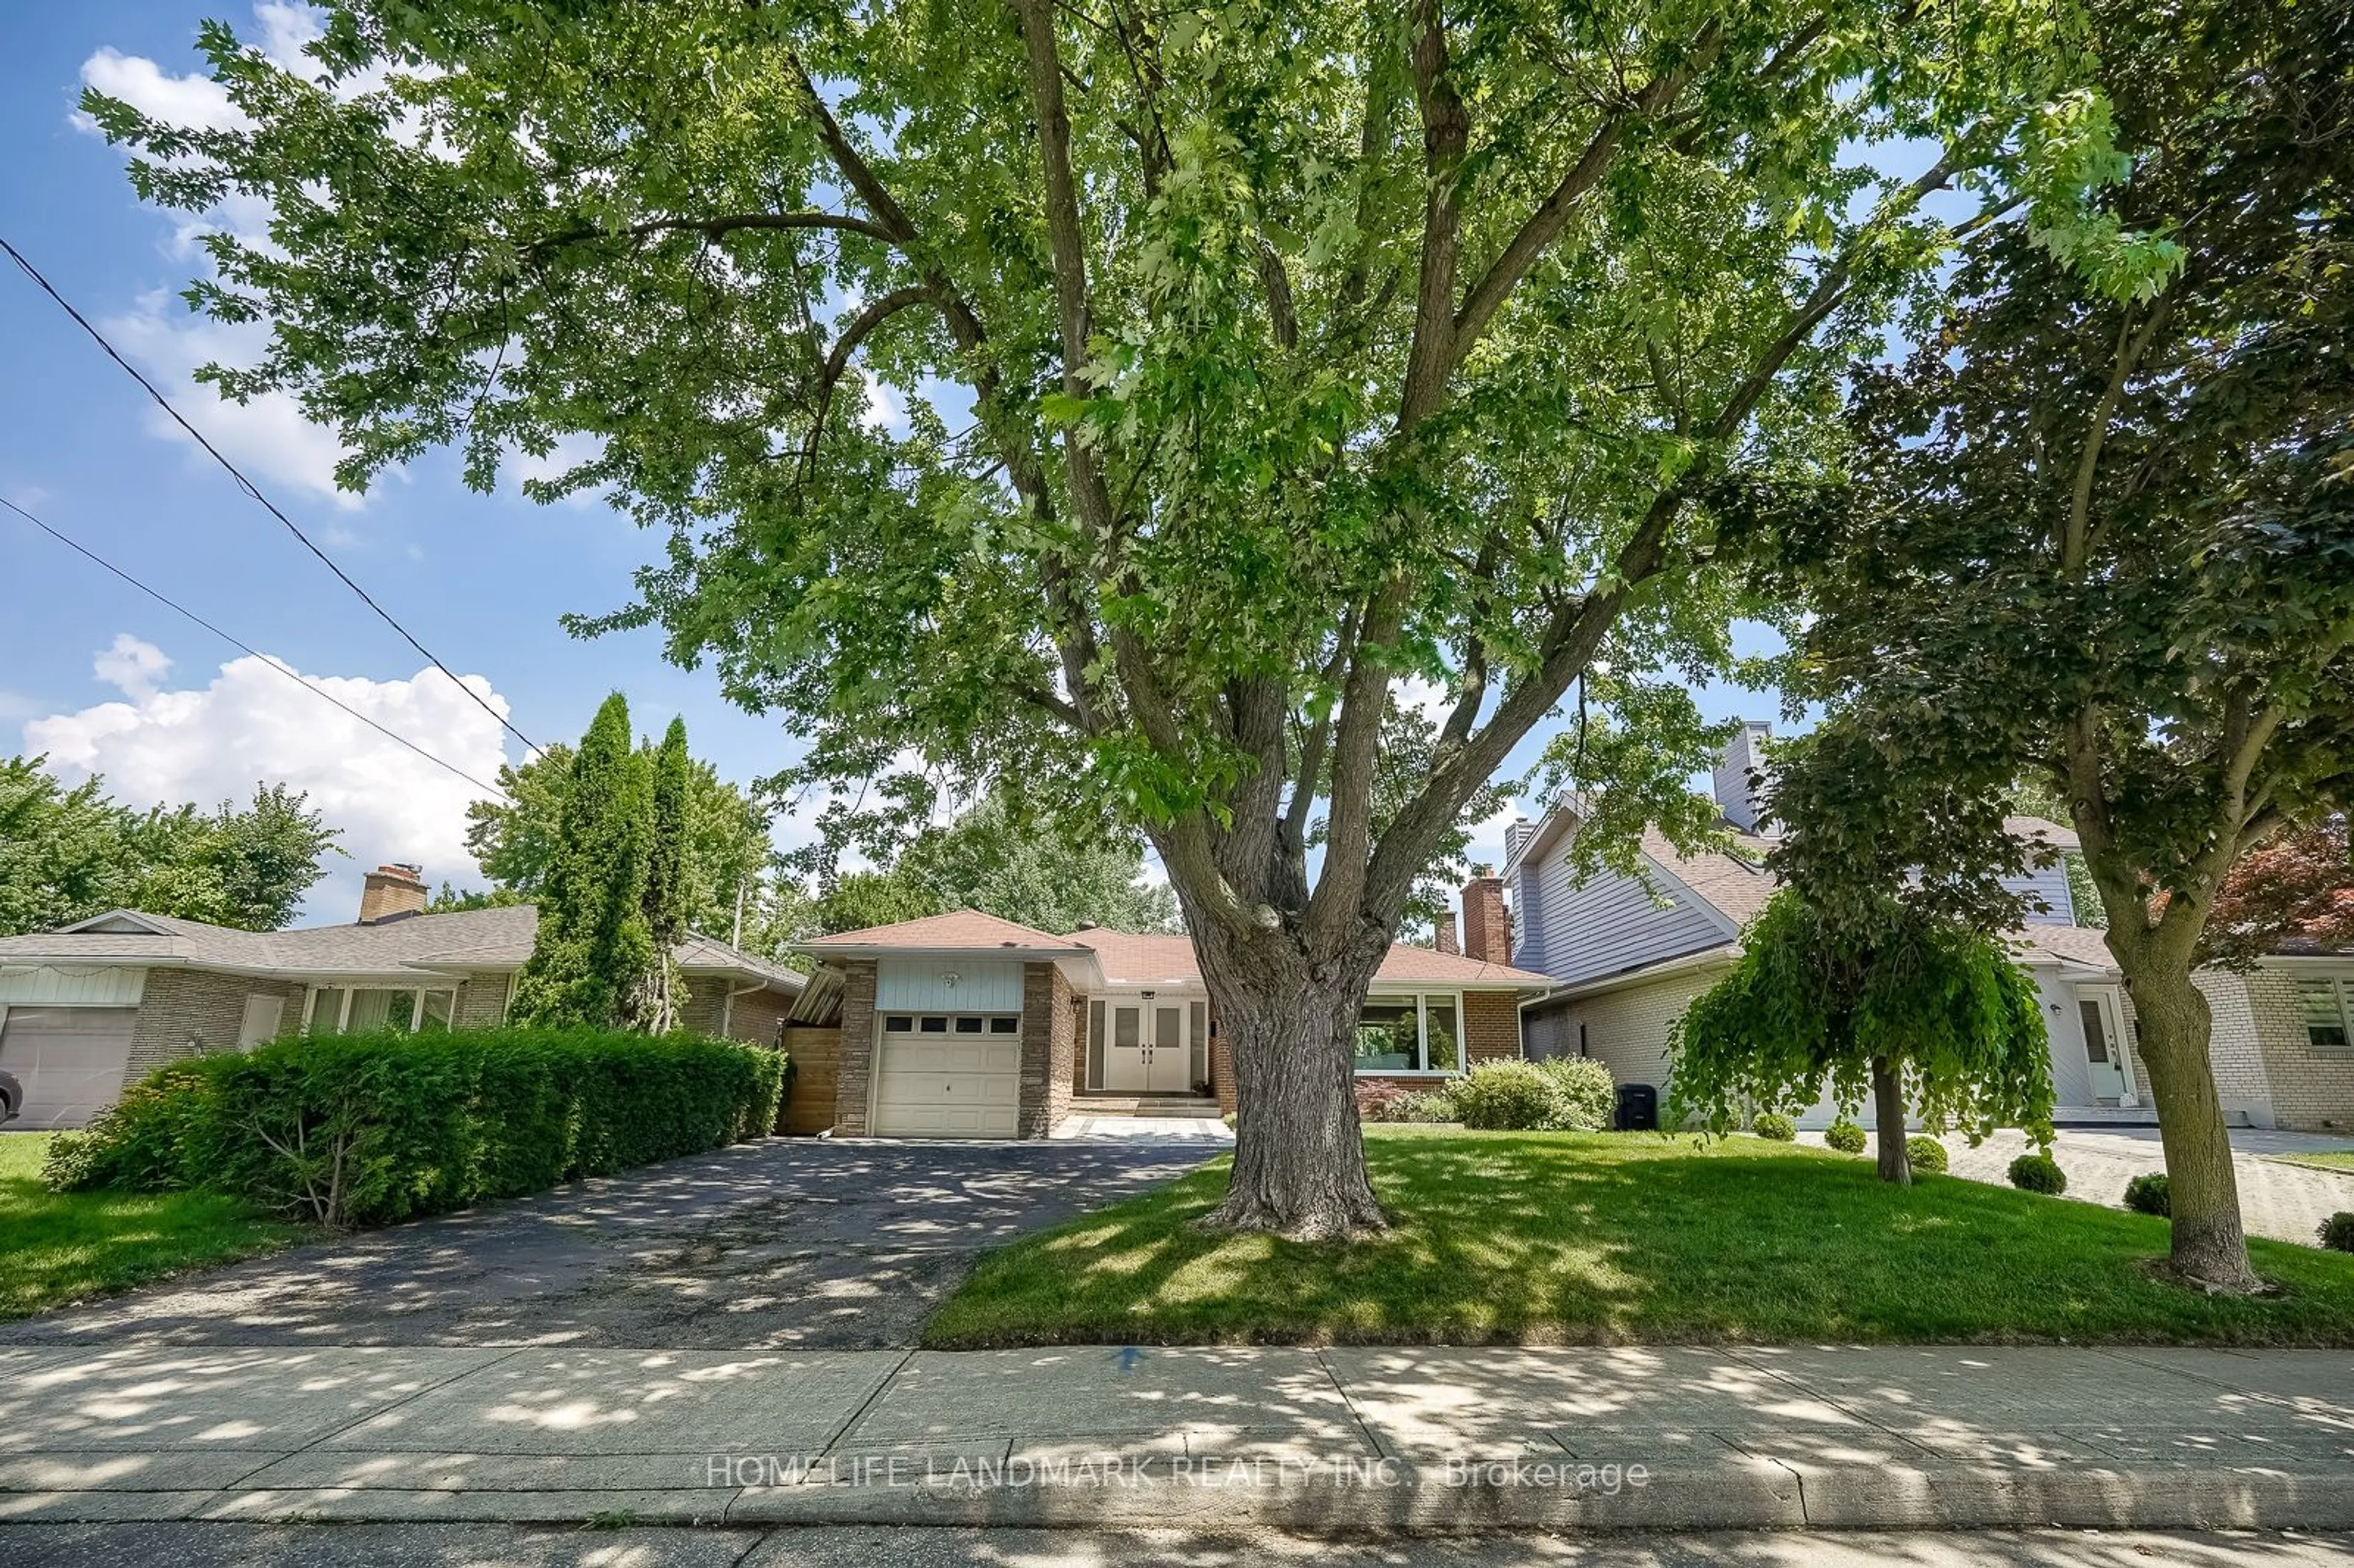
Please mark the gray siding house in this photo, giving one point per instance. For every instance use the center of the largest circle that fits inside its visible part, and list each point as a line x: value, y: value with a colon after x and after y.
x: 1627, y: 954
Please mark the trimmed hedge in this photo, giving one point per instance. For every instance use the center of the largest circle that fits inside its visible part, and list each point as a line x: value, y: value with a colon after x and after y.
x: 2337, y: 1232
x: 2038, y: 1174
x: 1557, y: 1093
x: 2150, y: 1194
x: 1845, y: 1136
x: 364, y: 1129
x: 1926, y: 1154
x: 1774, y: 1127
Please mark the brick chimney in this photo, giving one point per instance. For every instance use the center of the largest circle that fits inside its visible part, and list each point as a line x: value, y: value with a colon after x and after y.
x: 1487, y: 930
x: 393, y: 888
x: 1443, y: 928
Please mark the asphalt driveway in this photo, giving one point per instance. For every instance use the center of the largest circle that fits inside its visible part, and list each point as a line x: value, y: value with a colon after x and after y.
x: 803, y: 1243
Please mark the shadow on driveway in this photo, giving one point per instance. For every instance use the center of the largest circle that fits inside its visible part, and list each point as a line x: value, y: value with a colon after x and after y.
x: 787, y: 1242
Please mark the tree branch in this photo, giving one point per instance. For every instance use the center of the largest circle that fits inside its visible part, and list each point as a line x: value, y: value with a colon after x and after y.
x: 837, y: 361
x: 1446, y: 132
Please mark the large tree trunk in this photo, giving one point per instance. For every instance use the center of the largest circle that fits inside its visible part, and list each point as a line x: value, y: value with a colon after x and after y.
x: 1888, y: 1122
x: 2175, y: 1028
x: 1289, y: 1029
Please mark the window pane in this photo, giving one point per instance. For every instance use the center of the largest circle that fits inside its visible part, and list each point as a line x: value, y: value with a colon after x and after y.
x: 327, y: 1011
x: 1168, y: 1024
x: 1201, y: 1023
x: 1096, y: 1043
x: 2324, y: 1020
x: 441, y: 1007
x: 1445, y: 1042
x: 935, y: 1025
x: 1125, y: 1027
x: 1386, y: 1033
x: 899, y: 1023
x: 967, y: 1027
x: 1003, y: 1025
x: 2097, y: 1038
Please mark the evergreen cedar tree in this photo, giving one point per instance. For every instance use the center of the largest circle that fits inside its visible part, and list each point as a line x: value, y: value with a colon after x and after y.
x: 594, y: 947
x: 2105, y: 544
x: 1134, y: 403
x: 1920, y: 1013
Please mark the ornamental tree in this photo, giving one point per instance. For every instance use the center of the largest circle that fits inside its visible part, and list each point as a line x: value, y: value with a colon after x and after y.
x: 593, y: 947
x: 1917, y: 1010
x: 1254, y: 360
x: 2103, y: 541
x: 2296, y: 892
x: 652, y: 1005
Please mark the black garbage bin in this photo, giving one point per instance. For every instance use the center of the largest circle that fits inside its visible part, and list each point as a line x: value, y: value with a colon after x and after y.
x: 1638, y: 1108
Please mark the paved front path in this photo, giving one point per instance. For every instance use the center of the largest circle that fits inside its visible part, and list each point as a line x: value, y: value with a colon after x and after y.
x: 787, y: 1242
x: 1333, y: 1441
x: 2287, y: 1203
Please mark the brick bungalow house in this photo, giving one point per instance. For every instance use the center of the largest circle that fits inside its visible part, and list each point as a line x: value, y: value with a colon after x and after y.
x: 964, y: 1025
x: 104, y: 1001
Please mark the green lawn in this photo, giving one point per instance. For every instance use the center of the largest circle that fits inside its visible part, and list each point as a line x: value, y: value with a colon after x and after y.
x: 2337, y: 1159
x: 1585, y: 1238
x: 58, y: 1248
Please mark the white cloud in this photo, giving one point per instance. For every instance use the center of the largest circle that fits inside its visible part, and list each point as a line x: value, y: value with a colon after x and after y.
x: 268, y: 436
x: 194, y: 101
x: 252, y: 725
x: 132, y: 666
x: 885, y: 410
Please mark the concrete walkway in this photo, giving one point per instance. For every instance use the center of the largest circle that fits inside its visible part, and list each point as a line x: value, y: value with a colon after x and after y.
x: 2287, y: 1203
x: 1340, y: 1441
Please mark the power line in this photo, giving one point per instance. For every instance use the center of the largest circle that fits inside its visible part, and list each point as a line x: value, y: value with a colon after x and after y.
x: 255, y: 491
x: 83, y: 550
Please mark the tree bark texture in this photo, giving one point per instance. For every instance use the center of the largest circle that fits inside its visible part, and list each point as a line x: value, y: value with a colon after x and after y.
x: 1289, y: 1028
x: 2176, y: 1028
x: 1888, y: 1122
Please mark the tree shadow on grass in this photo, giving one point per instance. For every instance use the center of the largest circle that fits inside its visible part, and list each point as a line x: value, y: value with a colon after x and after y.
x: 1549, y: 1239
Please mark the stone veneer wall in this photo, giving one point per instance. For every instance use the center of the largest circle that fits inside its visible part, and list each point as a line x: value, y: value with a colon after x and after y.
x: 855, y: 1069
x: 181, y: 1006
x: 1047, y: 1050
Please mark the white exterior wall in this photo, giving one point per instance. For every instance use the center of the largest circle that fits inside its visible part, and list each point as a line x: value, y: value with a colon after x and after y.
x: 57, y: 985
x: 1627, y: 1029
x: 2312, y: 1090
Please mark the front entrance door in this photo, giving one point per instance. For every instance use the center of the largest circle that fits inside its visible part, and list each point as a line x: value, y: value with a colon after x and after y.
x: 2104, y: 1051
x: 1146, y: 1051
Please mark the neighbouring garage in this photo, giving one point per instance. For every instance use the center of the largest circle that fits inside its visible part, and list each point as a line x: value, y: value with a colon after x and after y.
x: 941, y: 1075
x: 71, y: 1060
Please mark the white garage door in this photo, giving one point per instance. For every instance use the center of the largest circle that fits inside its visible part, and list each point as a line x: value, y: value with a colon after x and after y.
x: 70, y: 1059
x: 948, y: 1076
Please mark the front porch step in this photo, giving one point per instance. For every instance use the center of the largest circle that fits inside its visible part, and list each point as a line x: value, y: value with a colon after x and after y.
x: 1180, y: 1106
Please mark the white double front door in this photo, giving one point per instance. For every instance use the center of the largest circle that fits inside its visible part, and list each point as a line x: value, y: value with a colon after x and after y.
x: 1147, y: 1048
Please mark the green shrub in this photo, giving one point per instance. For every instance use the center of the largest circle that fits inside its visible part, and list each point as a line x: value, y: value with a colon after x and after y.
x: 362, y: 1129
x: 1926, y: 1154
x: 2038, y: 1174
x: 2338, y: 1232
x: 1587, y: 1101
x: 1509, y: 1096
x: 2149, y: 1196
x: 1774, y: 1124
x: 1845, y: 1136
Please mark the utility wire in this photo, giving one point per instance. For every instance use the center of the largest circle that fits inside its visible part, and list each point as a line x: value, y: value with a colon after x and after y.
x: 255, y: 491
x: 316, y: 691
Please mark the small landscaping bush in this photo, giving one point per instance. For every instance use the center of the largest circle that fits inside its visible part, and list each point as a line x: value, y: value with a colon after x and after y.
x: 2148, y: 1196
x: 2338, y: 1232
x: 1588, y: 1100
x: 1506, y: 1096
x: 363, y: 1130
x: 1774, y: 1124
x: 1396, y: 1103
x: 1926, y: 1154
x: 1845, y: 1136
x: 2039, y: 1173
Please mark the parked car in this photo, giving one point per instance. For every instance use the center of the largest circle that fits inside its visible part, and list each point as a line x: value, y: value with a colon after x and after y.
x: 11, y: 1099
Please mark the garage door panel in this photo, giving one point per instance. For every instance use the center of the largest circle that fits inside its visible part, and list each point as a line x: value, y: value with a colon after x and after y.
x: 938, y: 1085
x: 70, y: 1060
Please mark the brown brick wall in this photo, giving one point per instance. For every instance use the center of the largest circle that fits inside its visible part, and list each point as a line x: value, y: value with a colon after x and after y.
x: 1046, y: 1041
x: 758, y: 1016
x: 857, y: 1066
x: 183, y: 1012
x: 1491, y: 1025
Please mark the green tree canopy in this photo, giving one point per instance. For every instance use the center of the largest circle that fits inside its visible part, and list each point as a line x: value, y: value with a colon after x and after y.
x: 593, y: 947
x: 513, y: 840
x: 1254, y: 357
x: 70, y: 854
x: 1917, y: 1011
x: 2105, y: 542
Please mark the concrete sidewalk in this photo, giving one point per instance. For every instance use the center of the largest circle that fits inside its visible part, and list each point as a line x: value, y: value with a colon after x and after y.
x: 1340, y: 1441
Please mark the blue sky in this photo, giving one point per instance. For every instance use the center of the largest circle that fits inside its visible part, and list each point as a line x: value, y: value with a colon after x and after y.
x: 101, y: 677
